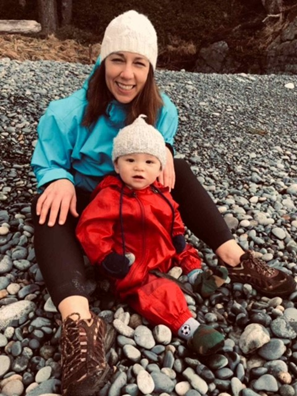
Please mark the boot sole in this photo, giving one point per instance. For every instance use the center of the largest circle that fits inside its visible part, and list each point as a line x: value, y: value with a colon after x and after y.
x: 290, y: 288
x: 90, y: 386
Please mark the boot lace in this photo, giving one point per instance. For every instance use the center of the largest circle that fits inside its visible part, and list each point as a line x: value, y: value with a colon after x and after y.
x: 74, y: 347
x: 259, y: 266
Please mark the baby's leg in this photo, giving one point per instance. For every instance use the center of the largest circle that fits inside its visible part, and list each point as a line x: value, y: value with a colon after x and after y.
x: 161, y: 301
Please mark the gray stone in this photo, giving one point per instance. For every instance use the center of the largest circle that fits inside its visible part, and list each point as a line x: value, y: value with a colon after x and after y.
x: 181, y: 388
x: 274, y: 349
x: 162, y: 334
x: 232, y: 222
x: 43, y: 374
x: 144, y: 338
x: 145, y: 382
x: 195, y: 380
x: 287, y: 390
x: 15, y: 311
x: 122, y: 328
x: 253, y: 338
x: 50, y: 386
x: 3, y: 340
x: 276, y: 366
x: 168, y: 360
x: 22, y: 264
x: 13, y: 388
x: 4, y: 365
x: 192, y: 392
x: 292, y: 189
x: 4, y: 282
x: 19, y: 253
x: 249, y: 392
x: 169, y: 372
x: 13, y: 288
x: 162, y: 382
x: 49, y: 306
x: 281, y: 328
x: 217, y: 361
x: 5, y: 265
x: 266, y: 383
x: 291, y: 315
x: 122, y: 340
x: 279, y: 233
x: 224, y: 373
x: 117, y: 385
x: 237, y: 386
x: 132, y: 353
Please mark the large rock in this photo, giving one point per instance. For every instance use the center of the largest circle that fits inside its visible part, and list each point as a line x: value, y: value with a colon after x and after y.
x: 282, y: 52
x: 215, y: 59
x: 272, y: 6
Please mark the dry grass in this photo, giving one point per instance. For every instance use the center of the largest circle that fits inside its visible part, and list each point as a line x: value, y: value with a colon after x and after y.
x: 179, y: 47
x: 22, y: 48
x: 271, y: 31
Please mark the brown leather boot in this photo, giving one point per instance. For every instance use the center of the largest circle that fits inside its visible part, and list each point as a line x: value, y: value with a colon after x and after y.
x: 269, y: 281
x: 84, y: 366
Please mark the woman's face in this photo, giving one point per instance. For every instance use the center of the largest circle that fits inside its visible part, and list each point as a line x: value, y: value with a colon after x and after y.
x: 126, y: 74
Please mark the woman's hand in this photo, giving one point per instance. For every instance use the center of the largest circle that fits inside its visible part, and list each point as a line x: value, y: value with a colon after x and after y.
x: 59, y: 196
x: 167, y: 177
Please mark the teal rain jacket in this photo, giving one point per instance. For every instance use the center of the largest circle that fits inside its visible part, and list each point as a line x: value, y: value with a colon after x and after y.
x: 67, y: 150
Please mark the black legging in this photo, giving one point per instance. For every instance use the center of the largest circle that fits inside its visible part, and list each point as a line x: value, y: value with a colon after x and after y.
x: 59, y: 254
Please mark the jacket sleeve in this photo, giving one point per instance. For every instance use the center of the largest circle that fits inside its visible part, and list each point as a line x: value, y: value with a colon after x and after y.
x: 189, y: 258
x: 52, y: 155
x: 95, y: 229
x: 178, y: 225
x: 168, y: 120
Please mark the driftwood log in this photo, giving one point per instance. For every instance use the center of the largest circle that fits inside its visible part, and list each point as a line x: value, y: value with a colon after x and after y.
x: 19, y: 26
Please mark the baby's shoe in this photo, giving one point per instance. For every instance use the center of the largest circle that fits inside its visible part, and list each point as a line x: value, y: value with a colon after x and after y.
x: 207, y: 282
x: 206, y: 340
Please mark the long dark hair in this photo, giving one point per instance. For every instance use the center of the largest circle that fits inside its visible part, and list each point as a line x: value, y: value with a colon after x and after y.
x: 147, y: 102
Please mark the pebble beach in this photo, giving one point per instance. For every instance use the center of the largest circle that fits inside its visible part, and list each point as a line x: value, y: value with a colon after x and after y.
x: 239, y: 134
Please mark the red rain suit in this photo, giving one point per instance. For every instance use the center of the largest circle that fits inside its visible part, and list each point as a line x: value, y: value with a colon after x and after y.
x: 142, y: 222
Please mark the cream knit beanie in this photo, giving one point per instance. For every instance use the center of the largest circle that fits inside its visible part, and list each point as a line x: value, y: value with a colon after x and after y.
x: 132, y: 32
x: 139, y: 137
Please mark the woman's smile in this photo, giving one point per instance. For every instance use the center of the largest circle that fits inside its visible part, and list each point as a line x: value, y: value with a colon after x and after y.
x: 125, y: 87
x: 126, y: 74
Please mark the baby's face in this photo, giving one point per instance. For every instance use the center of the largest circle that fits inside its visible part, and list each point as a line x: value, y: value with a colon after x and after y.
x: 138, y: 170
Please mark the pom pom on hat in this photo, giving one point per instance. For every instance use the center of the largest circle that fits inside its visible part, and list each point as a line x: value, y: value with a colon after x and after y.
x: 139, y: 137
x: 132, y: 32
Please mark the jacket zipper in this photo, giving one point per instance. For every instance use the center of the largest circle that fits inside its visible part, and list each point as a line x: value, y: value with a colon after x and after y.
x: 143, y: 234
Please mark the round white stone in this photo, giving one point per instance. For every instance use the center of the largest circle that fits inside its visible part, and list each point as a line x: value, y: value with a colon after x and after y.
x: 145, y: 382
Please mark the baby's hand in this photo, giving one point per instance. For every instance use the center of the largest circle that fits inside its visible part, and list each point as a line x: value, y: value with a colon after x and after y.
x: 179, y: 242
x: 116, y: 265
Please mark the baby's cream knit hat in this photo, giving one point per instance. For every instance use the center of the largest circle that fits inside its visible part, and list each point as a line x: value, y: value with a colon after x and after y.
x: 132, y: 32
x: 139, y: 137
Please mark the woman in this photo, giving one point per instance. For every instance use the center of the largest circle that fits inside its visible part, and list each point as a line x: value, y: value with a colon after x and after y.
x: 74, y: 153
